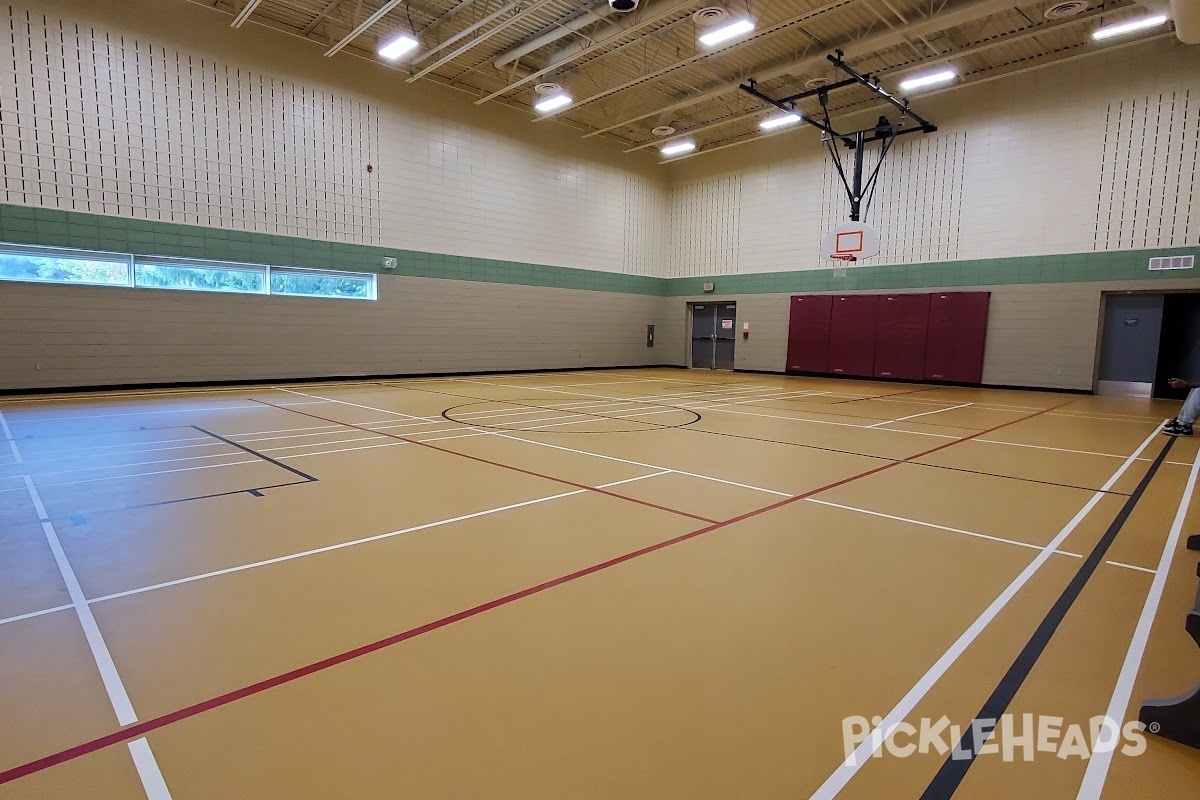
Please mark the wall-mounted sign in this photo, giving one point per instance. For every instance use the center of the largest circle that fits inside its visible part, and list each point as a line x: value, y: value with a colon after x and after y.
x: 727, y: 324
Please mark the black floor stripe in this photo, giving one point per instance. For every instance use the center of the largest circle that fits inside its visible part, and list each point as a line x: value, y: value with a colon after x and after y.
x: 257, y: 454
x: 955, y: 767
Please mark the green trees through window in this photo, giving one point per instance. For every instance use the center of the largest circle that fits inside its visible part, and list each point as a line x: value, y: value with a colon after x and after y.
x: 203, y: 279
x: 34, y: 267
x: 18, y: 263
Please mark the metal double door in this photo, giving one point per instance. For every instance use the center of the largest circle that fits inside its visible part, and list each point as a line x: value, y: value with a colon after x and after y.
x: 714, y: 328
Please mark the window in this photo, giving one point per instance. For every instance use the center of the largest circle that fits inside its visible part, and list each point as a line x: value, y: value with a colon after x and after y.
x: 200, y: 276
x: 50, y: 265
x: 311, y: 283
x: 64, y: 266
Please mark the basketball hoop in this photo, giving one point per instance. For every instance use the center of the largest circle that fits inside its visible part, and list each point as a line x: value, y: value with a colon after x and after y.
x: 839, y: 271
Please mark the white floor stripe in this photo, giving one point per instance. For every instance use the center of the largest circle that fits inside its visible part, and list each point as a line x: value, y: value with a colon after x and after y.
x: 1132, y: 566
x: 33, y: 614
x: 332, y: 547
x: 4, y: 430
x: 1068, y: 450
x: 862, y: 754
x: 155, y: 472
x: 922, y: 414
x: 147, y: 769
x: 341, y: 450
x: 631, y: 480
x: 1098, y: 766
x: 104, y: 663
x: 924, y: 524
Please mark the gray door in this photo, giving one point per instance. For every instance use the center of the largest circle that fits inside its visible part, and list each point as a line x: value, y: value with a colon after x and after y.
x: 1129, y: 344
x: 704, y: 323
x: 726, y: 330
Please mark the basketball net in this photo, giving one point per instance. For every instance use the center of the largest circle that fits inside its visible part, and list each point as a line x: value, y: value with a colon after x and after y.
x: 839, y: 270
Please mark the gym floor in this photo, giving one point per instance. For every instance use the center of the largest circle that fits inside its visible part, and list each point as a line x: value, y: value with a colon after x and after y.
x: 627, y: 583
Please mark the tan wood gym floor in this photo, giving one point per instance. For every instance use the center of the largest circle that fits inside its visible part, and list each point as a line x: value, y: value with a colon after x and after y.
x: 607, y: 584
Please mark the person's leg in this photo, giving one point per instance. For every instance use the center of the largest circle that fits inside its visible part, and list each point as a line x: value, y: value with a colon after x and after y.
x: 1191, y: 408
x: 1182, y: 424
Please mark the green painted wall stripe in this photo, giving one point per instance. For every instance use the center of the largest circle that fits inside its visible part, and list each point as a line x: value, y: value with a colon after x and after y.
x: 57, y: 228
x: 1114, y: 265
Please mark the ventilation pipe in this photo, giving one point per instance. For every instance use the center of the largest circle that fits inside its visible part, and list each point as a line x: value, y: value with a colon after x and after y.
x: 576, y: 23
x: 1186, y: 14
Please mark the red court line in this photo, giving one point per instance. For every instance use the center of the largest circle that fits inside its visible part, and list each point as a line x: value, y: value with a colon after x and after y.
x: 492, y: 463
x: 142, y: 728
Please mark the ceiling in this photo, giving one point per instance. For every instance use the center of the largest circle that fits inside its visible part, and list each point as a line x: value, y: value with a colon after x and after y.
x: 631, y: 72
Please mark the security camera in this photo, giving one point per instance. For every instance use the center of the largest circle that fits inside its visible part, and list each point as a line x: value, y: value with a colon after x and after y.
x: 623, y: 6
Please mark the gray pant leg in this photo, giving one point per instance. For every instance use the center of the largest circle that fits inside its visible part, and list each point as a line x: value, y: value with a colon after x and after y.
x: 1191, y: 408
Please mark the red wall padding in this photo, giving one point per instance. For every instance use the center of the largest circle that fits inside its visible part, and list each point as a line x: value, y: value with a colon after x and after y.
x: 900, y: 336
x: 938, y: 337
x: 957, y: 335
x: 808, y: 333
x: 852, y: 334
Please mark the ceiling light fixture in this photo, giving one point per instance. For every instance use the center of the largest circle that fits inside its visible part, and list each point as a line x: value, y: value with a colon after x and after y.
x: 932, y: 79
x: 1139, y: 24
x: 739, y: 27
x: 780, y: 120
x: 678, y: 148
x: 552, y: 103
x: 398, y: 46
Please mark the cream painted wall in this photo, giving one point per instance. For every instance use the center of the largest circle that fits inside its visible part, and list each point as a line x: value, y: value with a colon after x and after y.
x: 1101, y: 153
x: 157, y: 109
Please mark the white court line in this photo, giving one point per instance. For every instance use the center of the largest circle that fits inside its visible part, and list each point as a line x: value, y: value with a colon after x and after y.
x: 1132, y: 566
x: 695, y: 406
x: 332, y: 547
x: 587, y: 453
x: 1097, y: 770
x: 638, y: 478
x: 147, y: 768
x: 33, y: 614
x: 16, y: 454
x: 638, y: 463
x: 140, y: 413
x: 922, y: 414
x: 155, y: 472
x: 134, y: 464
x: 862, y: 754
x: 1067, y: 450
x: 935, y: 526
x: 341, y: 450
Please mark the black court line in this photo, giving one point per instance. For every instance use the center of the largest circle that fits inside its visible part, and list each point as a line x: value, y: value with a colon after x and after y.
x: 256, y: 454
x: 799, y: 444
x: 880, y: 396
x: 955, y: 767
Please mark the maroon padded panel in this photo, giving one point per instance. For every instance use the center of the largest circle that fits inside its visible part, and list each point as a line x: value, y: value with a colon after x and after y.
x: 900, y: 336
x: 957, y: 336
x: 808, y: 333
x: 852, y: 334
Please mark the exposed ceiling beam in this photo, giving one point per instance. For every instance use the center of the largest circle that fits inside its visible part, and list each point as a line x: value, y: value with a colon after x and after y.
x: 1049, y: 61
x: 963, y: 52
x: 600, y: 40
x: 589, y: 16
x: 855, y: 48
x: 245, y: 13
x: 363, y: 26
x: 329, y: 9
x: 467, y: 31
x: 793, y: 22
x: 480, y: 39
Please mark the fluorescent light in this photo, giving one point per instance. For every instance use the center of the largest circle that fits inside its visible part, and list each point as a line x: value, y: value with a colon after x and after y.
x: 726, y: 32
x: 397, y: 47
x: 678, y: 148
x: 932, y: 78
x: 780, y: 120
x: 1141, y: 23
x: 553, y: 102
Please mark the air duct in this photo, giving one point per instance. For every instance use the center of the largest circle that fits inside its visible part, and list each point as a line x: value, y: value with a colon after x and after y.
x: 1186, y: 14
x: 576, y: 23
